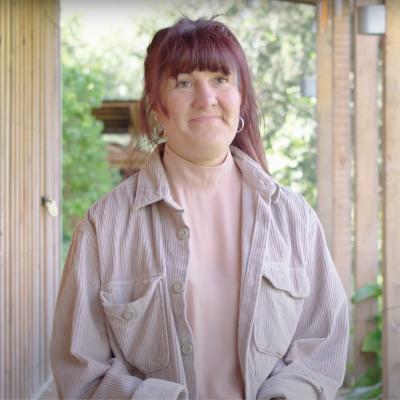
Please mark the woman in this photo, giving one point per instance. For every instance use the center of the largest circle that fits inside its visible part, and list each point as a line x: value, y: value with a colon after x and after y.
x: 199, y: 276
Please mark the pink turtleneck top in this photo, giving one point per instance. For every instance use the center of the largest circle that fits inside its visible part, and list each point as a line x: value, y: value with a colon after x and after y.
x: 211, y: 199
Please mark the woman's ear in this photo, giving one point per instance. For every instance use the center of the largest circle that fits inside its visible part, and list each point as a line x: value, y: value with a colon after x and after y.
x: 159, y: 118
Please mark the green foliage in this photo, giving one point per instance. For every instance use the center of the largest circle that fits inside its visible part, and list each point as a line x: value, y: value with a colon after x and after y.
x: 366, y: 392
x: 373, y: 341
x: 369, y: 385
x: 366, y: 292
x: 86, y: 175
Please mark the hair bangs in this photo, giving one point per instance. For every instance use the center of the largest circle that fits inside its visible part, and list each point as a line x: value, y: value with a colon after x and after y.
x: 194, y: 52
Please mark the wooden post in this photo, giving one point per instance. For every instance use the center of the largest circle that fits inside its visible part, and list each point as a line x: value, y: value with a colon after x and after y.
x: 342, y: 149
x: 334, y: 131
x: 391, y: 204
x: 366, y: 182
x: 325, y: 118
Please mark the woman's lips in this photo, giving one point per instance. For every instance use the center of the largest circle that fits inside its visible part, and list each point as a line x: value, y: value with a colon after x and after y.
x: 205, y: 118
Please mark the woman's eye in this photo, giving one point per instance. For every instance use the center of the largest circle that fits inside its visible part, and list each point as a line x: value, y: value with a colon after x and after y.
x: 182, y: 84
x: 221, y: 79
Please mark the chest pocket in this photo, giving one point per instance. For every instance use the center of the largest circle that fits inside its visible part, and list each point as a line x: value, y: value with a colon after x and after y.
x: 135, y: 311
x: 279, y: 304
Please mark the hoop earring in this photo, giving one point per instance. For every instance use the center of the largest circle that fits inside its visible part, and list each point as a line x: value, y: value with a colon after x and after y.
x: 158, y: 130
x: 241, y: 125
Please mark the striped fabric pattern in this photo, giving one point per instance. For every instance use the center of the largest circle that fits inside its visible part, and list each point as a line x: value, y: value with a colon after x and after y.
x: 121, y: 330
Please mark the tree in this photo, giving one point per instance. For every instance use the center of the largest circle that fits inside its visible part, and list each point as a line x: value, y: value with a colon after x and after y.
x: 85, y: 172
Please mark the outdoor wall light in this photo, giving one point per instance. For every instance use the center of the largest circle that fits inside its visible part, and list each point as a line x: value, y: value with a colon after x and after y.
x: 50, y: 205
x: 371, y: 19
x: 308, y: 87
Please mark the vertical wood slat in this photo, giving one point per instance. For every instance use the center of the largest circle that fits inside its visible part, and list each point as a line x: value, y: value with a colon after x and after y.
x: 26, y: 195
x: 15, y: 193
x: 325, y: 118
x: 29, y: 168
x: 366, y: 183
x: 39, y: 85
x: 42, y: 178
x: 7, y: 271
x: 342, y: 152
x: 391, y: 204
x: 24, y: 212
x: 33, y: 204
x: 5, y: 53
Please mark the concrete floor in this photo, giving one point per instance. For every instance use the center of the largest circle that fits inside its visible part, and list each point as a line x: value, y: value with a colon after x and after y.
x: 50, y: 393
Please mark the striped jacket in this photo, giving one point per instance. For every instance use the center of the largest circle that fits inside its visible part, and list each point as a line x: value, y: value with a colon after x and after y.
x: 120, y: 329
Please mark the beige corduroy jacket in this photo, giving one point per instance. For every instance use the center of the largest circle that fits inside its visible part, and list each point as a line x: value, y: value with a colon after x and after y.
x: 120, y: 329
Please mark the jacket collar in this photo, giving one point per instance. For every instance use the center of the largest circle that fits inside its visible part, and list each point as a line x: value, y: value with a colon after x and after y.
x: 255, y: 175
x: 153, y: 186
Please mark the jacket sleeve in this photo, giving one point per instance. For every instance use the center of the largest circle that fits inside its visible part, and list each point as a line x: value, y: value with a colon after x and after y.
x: 82, y: 361
x: 315, y: 364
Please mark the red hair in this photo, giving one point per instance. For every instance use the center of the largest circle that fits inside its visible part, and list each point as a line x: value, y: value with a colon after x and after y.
x: 201, y: 44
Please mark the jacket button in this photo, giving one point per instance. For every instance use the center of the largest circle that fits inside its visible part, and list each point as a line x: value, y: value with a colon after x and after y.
x: 187, y: 348
x: 183, y: 233
x: 178, y: 287
x: 128, y: 315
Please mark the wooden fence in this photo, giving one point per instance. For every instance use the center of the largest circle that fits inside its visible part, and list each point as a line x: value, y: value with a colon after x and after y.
x: 29, y: 171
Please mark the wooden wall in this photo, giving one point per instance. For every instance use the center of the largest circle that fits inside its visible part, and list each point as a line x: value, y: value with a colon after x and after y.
x: 29, y: 169
x: 366, y: 183
x: 349, y: 156
x: 391, y: 203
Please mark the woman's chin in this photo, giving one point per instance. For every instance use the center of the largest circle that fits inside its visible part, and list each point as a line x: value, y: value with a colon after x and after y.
x: 213, y: 137
x: 210, y: 155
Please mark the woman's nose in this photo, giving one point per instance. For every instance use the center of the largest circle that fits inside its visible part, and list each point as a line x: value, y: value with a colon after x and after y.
x: 204, y: 95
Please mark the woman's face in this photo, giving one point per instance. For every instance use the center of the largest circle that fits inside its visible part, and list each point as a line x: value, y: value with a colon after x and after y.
x: 203, y: 115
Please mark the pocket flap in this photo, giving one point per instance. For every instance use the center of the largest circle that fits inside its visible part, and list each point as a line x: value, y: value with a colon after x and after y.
x: 121, y: 297
x: 294, y: 281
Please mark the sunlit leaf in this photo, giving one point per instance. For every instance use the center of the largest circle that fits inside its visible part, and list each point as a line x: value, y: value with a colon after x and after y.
x: 366, y: 292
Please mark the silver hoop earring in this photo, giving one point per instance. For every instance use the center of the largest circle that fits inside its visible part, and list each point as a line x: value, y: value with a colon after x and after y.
x: 241, y: 125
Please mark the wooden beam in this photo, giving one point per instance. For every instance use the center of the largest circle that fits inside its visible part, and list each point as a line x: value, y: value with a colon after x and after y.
x: 391, y: 204
x: 366, y: 183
